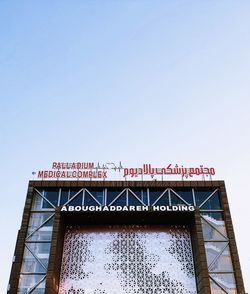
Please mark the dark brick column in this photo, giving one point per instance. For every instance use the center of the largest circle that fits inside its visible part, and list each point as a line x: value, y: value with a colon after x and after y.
x: 232, y: 241
x: 200, y: 262
x: 54, y: 267
x: 18, y: 255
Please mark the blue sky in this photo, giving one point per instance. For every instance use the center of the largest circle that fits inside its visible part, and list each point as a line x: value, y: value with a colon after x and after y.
x: 137, y: 81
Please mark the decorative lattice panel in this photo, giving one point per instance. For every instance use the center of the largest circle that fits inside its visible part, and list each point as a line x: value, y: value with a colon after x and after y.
x: 127, y: 259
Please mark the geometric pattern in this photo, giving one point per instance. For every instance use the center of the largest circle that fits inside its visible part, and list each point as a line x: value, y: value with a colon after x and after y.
x: 37, y: 244
x: 37, y: 247
x: 218, y: 255
x: 127, y: 259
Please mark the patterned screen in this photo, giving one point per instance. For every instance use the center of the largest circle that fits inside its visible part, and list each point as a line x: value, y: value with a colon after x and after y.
x: 127, y: 259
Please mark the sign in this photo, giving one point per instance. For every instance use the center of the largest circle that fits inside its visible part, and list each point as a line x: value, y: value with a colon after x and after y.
x: 90, y: 170
x: 128, y: 208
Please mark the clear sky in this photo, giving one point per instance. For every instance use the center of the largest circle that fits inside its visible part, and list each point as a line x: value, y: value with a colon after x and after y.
x: 137, y: 81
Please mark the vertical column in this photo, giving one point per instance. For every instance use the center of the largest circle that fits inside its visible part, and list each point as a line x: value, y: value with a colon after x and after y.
x: 54, y: 266
x: 232, y: 242
x: 200, y: 262
x: 18, y: 255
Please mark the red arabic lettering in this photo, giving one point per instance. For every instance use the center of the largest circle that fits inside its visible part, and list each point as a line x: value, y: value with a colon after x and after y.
x: 147, y: 169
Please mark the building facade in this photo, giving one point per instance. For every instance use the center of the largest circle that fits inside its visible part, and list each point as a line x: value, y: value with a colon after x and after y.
x: 105, y: 237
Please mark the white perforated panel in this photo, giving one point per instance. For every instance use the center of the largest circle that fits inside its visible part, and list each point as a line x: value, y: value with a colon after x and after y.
x: 127, y: 259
